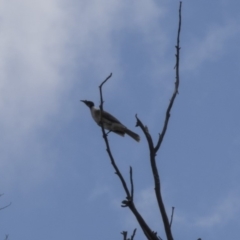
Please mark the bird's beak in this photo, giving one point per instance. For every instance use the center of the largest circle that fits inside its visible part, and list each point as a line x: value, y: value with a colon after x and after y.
x: 84, y: 101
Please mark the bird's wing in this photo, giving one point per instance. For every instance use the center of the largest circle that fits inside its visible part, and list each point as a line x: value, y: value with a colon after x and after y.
x: 109, y: 117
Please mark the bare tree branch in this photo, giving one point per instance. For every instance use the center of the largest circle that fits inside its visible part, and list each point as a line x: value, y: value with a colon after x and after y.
x: 167, y: 117
x: 133, y: 235
x: 132, y: 186
x: 107, y: 143
x: 129, y: 201
x: 153, y: 150
x: 110, y: 75
x: 6, y: 205
x: 171, y: 217
x: 156, y: 181
x: 124, y: 233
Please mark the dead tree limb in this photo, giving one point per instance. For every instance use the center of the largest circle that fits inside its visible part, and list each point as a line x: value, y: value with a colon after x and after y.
x: 167, y: 117
x: 153, y: 150
x: 124, y: 233
x: 129, y: 198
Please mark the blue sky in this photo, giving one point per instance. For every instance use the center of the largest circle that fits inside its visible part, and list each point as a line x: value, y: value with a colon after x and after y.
x: 53, y: 164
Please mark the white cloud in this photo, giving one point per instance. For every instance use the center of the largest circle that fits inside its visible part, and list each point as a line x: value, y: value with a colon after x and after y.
x: 31, y: 53
x: 39, y: 41
x: 31, y: 56
x: 99, y: 27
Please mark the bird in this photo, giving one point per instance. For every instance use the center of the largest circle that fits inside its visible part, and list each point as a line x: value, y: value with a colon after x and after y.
x: 109, y: 122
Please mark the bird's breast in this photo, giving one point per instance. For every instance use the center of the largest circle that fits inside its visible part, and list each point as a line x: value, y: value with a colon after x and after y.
x: 96, y: 115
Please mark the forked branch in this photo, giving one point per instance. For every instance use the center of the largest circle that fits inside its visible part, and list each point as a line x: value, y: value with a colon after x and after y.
x: 124, y: 233
x: 153, y: 150
x: 129, y: 198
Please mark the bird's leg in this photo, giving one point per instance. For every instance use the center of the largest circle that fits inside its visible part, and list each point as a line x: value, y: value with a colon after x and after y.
x: 108, y: 132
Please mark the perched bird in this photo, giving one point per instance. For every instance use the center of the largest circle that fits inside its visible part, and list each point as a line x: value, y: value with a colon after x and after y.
x: 109, y: 122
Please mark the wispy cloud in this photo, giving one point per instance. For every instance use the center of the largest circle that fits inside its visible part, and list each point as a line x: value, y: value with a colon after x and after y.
x: 212, y: 46
x: 99, y: 29
x: 225, y: 210
x: 39, y: 43
x: 31, y: 56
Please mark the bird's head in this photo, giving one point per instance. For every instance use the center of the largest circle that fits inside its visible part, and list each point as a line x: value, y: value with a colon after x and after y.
x: 88, y: 103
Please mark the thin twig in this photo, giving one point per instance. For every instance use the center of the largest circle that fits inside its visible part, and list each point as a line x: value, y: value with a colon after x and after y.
x: 171, y: 217
x: 167, y: 117
x: 110, y: 75
x: 132, y: 186
x: 134, y: 232
x: 124, y: 233
x: 5, y: 206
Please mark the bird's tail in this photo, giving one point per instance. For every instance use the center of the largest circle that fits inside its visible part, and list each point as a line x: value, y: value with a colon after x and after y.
x: 132, y: 134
